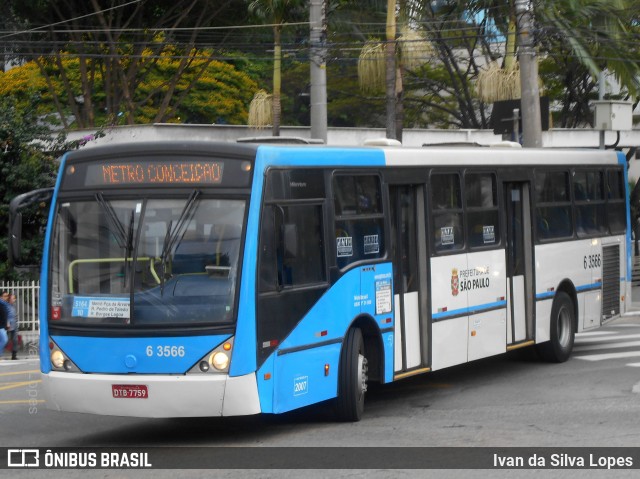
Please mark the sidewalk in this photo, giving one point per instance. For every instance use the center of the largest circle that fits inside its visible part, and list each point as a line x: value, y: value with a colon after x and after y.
x: 28, y: 351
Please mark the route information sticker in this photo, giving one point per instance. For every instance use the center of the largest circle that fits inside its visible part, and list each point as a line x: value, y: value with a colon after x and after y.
x: 383, y: 296
x: 88, y: 307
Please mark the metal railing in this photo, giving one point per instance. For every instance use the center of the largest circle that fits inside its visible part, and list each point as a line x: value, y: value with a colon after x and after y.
x: 27, y: 301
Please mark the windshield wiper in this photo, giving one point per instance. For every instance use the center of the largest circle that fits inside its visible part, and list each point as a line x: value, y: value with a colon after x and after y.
x: 124, y: 239
x: 128, y: 263
x: 116, y: 226
x: 173, y: 235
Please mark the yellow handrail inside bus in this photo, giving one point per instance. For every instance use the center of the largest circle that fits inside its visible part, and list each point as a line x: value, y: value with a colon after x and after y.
x: 111, y: 260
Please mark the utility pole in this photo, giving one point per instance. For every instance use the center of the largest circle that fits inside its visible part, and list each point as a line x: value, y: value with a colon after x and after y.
x: 601, y: 87
x: 390, y: 70
x: 318, y: 68
x: 530, y: 99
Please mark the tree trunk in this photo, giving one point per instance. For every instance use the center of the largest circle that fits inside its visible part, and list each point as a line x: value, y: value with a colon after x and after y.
x: 277, y: 80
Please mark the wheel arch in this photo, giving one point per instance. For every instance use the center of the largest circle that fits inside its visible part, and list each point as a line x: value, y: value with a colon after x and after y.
x: 566, y: 286
x: 373, y: 345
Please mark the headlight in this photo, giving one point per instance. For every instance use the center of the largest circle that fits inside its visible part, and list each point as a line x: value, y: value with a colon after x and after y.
x: 219, y: 360
x: 57, y: 359
x: 216, y: 361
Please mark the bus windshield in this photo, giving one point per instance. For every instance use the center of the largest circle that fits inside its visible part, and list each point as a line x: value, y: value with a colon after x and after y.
x: 146, y: 261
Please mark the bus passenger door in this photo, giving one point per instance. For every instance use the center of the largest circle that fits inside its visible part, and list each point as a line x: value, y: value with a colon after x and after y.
x: 519, y: 254
x: 408, y: 249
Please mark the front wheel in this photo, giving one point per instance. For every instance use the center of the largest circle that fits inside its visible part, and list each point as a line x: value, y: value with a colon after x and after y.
x: 559, y: 348
x: 352, y: 382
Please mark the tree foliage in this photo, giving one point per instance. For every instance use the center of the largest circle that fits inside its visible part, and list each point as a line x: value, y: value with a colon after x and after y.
x: 155, y: 60
x: 27, y: 162
x: 100, y: 58
x: 210, y: 91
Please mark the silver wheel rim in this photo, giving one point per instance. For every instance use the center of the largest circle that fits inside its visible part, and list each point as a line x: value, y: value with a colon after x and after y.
x: 363, y: 370
x: 564, y: 328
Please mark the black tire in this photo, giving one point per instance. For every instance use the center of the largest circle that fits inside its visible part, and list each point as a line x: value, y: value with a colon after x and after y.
x: 352, y: 381
x: 562, y: 330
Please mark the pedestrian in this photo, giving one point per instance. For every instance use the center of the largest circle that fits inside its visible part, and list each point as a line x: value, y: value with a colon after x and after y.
x: 4, y: 319
x: 13, y: 326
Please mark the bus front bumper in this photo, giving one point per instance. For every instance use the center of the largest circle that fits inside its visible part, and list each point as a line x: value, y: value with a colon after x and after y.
x: 205, y: 395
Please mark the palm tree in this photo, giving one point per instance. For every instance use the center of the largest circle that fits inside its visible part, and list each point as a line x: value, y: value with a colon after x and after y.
x: 276, y: 13
x: 600, y: 34
x: 381, y: 64
x: 597, y: 31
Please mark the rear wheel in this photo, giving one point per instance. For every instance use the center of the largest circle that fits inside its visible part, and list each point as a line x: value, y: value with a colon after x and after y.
x: 559, y: 348
x: 352, y: 382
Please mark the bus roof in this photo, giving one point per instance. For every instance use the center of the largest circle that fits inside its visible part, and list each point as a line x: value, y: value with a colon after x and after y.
x: 393, y: 155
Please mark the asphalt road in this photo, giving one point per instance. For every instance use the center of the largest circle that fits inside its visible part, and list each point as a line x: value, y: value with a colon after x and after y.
x: 592, y: 400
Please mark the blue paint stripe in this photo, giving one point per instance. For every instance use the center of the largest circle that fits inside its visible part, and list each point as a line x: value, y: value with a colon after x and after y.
x: 321, y: 156
x: 470, y: 310
x: 588, y: 287
x: 546, y: 295
x: 579, y: 289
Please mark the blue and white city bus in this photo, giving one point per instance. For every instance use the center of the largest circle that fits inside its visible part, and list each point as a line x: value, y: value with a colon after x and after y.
x: 221, y: 279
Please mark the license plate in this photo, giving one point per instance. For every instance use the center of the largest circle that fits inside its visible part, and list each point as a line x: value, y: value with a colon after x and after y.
x: 129, y: 391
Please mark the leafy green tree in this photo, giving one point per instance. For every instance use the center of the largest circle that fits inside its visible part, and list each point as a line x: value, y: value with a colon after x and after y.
x: 27, y: 162
x: 115, y: 48
x: 210, y: 91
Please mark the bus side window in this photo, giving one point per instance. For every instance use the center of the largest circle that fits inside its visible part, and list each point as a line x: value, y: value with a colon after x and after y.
x: 481, y: 198
x: 268, y: 268
x: 616, y: 206
x: 280, y: 266
x: 446, y: 207
x: 553, y: 205
x: 359, y: 225
x: 588, y: 194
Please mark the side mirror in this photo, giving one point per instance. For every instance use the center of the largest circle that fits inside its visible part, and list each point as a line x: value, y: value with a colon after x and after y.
x: 15, y: 218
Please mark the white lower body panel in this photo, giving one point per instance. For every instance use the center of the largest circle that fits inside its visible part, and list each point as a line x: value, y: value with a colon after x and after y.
x: 450, y: 342
x: 411, y: 340
x: 169, y: 396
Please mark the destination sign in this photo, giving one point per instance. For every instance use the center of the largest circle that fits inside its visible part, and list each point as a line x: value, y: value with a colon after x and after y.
x: 150, y: 173
x: 157, y: 172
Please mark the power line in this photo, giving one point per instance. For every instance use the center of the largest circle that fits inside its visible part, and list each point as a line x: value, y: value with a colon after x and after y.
x: 72, y: 19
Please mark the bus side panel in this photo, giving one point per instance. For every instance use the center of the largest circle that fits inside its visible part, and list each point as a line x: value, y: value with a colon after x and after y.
x: 449, y: 310
x: 486, y: 275
x: 266, y: 384
x: 376, y: 301
x: 556, y: 262
x: 301, y: 380
x: 244, y: 359
x: 306, y: 366
x: 324, y: 325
